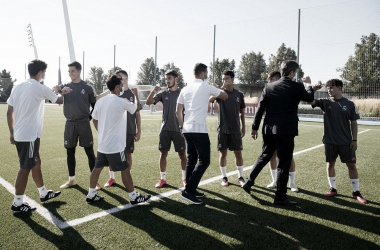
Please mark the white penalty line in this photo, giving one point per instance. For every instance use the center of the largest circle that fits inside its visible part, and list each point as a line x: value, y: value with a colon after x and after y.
x: 49, y: 216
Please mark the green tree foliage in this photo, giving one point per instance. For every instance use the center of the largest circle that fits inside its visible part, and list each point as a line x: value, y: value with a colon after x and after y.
x: 6, y: 85
x: 113, y: 70
x: 97, y: 78
x: 220, y: 66
x: 180, y: 82
x: 146, y: 74
x: 361, y: 73
x: 250, y: 71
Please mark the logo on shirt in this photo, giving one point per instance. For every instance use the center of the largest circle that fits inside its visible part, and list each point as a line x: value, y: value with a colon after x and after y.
x: 344, y: 108
x: 82, y: 91
x: 330, y: 107
x: 131, y: 99
x: 237, y: 99
x: 166, y: 98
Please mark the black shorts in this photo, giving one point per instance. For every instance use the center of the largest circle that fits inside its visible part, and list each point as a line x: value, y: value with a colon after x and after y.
x: 130, y: 143
x: 233, y: 142
x: 73, y: 131
x: 344, y: 152
x: 28, y: 153
x: 118, y: 161
x: 166, y: 138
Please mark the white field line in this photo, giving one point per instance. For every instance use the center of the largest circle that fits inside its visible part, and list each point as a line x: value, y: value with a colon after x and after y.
x: 65, y: 224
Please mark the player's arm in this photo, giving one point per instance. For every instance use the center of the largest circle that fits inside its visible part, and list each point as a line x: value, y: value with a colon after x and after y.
x: 107, y: 92
x: 262, y: 105
x: 95, y: 123
x: 212, y: 99
x: 11, y: 123
x: 150, y: 99
x: 242, y: 118
x: 354, y: 131
x: 179, y: 114
x: 138, y: 124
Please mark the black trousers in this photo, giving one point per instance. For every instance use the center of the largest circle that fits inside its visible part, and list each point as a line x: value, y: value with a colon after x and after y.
x: 284, y: 144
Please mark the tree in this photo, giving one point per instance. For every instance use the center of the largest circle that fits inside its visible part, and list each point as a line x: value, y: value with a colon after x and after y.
x: 220, y: 66
x: 180, y: 82
x: 97, y: 78
x: 283, y: 53
x: 112, y: 71
x: 146, y: 74
x: 6, y: 85
x: 361, y: 73
x: 251, y: 68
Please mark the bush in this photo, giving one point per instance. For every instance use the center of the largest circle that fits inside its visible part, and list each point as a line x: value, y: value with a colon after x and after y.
x: 367, y: 107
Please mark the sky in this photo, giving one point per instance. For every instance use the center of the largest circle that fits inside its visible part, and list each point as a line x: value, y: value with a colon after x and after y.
x: 185, y: 33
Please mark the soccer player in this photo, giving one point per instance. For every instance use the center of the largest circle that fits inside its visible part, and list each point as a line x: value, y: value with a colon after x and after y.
x: 110, y: 119
x: 272, y: 77
x: 194, y: 100
x: 169, y: 128
x: 25, y: 117
x: 133, y: 120
x: 340, y: 135
x: 76, y: 109
x: 229, y: 133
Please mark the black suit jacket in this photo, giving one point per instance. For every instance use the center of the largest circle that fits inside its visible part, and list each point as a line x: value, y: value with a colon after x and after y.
x: 280, y: 100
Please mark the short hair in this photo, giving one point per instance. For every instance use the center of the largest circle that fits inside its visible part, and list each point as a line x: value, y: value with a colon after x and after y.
x: 36, y: 66
x: 171, y: 72
x: 288, y: 66
x: 228, y: 72
x: 120, y: 71
x: 274, y: 74
x: 113, y: 81
x: 199, y: 68
x: 334, y: 82
x: 75, y: 64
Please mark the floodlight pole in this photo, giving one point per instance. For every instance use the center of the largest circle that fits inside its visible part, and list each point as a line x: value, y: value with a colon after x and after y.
x: 155, y: 64
x: 83, y: 68
x: 59, y: 71
x: 68, y: 31
x: 114, y: 58
x: 298, y: 46
x: 31, y: 40
x: 213, y: 69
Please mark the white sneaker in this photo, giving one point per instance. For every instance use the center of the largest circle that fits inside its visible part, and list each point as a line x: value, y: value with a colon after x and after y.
x: 272, y: 185
x: 293, y: 187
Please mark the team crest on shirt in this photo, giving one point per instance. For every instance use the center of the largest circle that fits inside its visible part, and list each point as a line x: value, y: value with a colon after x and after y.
x: 344, y: 108
x: 82, y: 91
x: 166, y: 98
x: 131, y: 99
x: 237, y: 99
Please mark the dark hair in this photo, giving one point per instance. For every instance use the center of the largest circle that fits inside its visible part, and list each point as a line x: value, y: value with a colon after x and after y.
x: 171, y: 72
x: 288, y: 66
x: 274, y: 74
x: 334, y: 82
x: 113, y: 81
x: 228, y: 72
x: 120, y: 71
x: 36, y: 66
x: 75, y: 64
x: 199, y: 68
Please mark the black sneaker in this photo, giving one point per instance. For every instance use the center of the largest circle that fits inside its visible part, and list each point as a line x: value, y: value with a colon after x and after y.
x: 50, y: 195
x: 23, y: 208
x: 190, y: 198
x: 140, y: 198
x: 247, y: 186
x: 199, y: 195
x: 94, y: 199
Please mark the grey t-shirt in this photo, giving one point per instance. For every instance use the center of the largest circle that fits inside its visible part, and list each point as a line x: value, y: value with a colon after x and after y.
x: 131, y: 119
x: 77, y: 103
x: 337, y: 115
x: 169, y: 101
x: 229, y: 111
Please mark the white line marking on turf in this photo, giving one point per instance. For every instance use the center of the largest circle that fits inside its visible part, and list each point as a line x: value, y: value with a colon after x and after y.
x: 65, y: 224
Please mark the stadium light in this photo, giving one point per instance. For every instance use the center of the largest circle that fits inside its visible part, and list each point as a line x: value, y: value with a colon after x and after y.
x: 31, y: 39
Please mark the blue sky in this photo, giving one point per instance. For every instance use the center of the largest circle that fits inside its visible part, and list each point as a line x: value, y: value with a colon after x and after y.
x: 329, y: 31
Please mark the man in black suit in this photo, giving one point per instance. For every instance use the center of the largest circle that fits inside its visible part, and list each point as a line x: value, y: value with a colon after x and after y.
x: 280, y: 100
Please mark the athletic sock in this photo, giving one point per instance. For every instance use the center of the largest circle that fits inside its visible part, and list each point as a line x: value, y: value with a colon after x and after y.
x: 355, y: 184
x: 332, y: 182
x: 71, y: 178
x: 183, y: 174
x: 274, y: 175
x: 43, y: 191
x: 163, y: 175
x: 132, y: 195
x: 112, y: 174
x: 292, y: 176
x: 91, y: 193
x: 18, y: 200
x: 240, y: 170
x: 224, y: 171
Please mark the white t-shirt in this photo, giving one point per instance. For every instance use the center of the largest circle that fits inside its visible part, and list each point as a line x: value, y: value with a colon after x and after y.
x: 110, y: 111
x: 195, y: 97
x: 28, y: 102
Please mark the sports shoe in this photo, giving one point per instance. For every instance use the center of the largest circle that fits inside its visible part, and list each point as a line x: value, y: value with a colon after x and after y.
x: 293, y: 187
x: 140, y: 198
x: 23, y: 208
x: 190, y: 198
x: 198, y: 194
x: 50, y: 195
x: 97, y: 188
x: 109, y: 182
x: 94, y: 199
x: 357, y: 195
x: 331, y: 192
x: 184, y: 182
x: 247, y: 186
x: 160, y: 183
x: 69, y: 184
x: 241, y: 181
x: 272, y: 185
x: 225, y: 182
